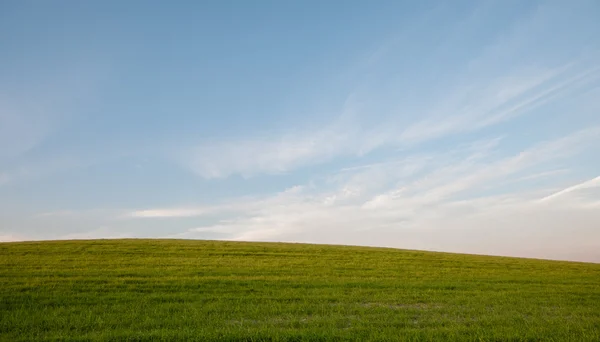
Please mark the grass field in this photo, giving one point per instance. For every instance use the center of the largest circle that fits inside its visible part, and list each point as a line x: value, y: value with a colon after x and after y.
x: 142, y: 290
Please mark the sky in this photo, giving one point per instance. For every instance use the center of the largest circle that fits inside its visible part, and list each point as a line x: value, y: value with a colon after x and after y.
x: 457, y: 126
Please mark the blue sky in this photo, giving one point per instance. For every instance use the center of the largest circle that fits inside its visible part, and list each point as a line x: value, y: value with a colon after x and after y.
x: 464, y: 126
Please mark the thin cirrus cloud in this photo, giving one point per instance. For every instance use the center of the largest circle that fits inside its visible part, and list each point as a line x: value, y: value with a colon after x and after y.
x: 426, y: 209
x: 270, y: 155
x: 590, y: 184
x: 490, y: 87
x: 473, y: 107
x: 438, y: 178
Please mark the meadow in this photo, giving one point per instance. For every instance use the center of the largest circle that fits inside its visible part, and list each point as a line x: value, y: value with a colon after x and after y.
x: 184, y: 290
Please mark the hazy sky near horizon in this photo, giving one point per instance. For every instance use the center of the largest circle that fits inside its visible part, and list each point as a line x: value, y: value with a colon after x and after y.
x: 460, y: 126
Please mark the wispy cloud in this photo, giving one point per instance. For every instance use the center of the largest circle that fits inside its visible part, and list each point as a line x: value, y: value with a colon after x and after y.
x: 592, y: 183
x: 489, y: 101
x: 344, y: 138
x: 483, y: 92
x: 269, y: 155
x: 443, y: 194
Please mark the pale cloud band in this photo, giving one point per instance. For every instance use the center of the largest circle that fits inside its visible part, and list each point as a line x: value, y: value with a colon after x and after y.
x: 460, y: 195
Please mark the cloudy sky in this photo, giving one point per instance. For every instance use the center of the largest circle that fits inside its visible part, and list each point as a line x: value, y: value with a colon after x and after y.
x: 462, y: 126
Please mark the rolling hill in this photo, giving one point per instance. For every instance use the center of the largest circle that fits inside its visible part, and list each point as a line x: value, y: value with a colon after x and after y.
x: 138, y: 290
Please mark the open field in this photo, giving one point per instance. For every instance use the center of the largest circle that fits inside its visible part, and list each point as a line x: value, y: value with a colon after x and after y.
x: 168, y: 290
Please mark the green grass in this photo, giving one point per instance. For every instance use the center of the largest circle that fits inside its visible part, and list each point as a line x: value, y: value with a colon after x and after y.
x: 142, y: 290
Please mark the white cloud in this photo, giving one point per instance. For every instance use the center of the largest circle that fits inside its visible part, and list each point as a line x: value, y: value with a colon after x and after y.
x: 497, y: 225
x: 481, y: 103
x: 477, y: 110
x: 268, y: 155
x: 484, y: 93
x: 437, y: 202
x: 592, y: 183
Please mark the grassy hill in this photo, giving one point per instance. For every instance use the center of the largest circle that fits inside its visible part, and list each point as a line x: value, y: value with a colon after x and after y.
x: 231, y: 291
